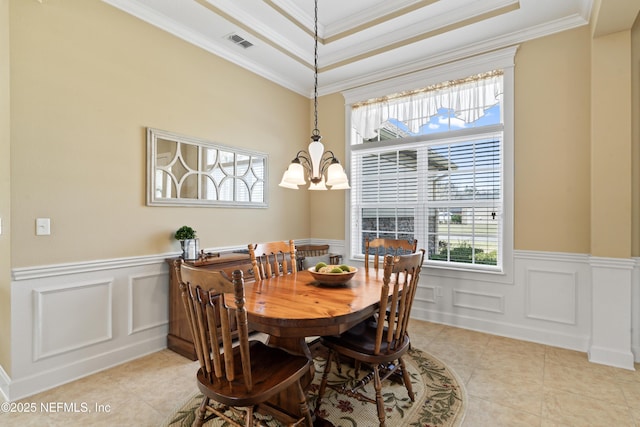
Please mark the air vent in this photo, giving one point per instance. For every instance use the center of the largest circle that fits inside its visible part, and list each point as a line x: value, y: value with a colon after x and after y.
x: 240, y: 41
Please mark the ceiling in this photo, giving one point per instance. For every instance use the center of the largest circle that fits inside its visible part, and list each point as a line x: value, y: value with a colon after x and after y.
x: 360, y: 41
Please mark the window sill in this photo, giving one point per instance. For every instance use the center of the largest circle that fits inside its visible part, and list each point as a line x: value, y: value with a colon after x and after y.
x: 475, y: 273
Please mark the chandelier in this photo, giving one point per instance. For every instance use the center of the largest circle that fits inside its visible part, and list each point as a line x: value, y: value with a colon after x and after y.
x: 315, y: 163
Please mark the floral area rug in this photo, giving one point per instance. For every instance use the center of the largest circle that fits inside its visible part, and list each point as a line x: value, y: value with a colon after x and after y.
x: 439, y: 397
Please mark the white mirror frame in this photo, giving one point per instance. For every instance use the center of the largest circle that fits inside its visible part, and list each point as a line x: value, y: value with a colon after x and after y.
x: 192, y: 173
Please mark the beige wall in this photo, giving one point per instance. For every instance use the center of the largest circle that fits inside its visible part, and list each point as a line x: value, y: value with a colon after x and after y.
x: 611, y: 145
x: 86, y: 81
x: 5, y: 201
x: 552, y: 161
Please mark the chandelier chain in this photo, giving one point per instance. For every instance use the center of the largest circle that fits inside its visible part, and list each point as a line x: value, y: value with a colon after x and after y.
x: 316, y: 132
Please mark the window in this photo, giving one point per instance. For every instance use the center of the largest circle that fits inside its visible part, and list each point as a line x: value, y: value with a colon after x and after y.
x: 429, y: 164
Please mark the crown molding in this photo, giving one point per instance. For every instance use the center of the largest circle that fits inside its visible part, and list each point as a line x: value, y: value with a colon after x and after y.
x: 470, y: 50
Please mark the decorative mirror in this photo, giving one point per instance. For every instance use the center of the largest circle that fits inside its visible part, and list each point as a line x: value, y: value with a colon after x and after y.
x: 187, y: 171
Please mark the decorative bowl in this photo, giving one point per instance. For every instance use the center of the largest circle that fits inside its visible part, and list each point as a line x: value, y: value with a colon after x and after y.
x: 333, y: 278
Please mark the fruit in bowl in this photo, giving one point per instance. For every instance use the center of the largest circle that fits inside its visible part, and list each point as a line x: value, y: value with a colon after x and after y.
x: 332, y: 274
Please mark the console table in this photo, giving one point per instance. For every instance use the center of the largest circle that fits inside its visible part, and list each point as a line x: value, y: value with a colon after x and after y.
x: 179, y: 338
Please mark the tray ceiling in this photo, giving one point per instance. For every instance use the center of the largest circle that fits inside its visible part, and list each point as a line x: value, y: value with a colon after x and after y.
x: 361, y: 41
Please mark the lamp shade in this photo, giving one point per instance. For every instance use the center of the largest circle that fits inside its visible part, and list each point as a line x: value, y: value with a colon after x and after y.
x: 319, y: 186
x: 294, y: 174
x: 342, y: 182
x: 341, y: 186
x: 286, y: 184
x: 335, y: 174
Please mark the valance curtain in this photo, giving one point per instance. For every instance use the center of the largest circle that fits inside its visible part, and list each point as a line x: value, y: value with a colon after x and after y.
x: 468, y: 98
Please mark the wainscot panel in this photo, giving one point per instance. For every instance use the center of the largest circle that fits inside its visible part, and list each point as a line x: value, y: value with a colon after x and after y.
x: 72, y: 320
x: 548, y: 300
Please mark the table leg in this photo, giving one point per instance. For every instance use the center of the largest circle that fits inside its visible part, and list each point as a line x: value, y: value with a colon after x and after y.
x: 287, y: 399
x: 295, y: 346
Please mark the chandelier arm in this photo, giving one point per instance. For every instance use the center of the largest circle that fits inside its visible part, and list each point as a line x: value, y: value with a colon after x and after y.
x: 328, y: 158
x: 305, y: 160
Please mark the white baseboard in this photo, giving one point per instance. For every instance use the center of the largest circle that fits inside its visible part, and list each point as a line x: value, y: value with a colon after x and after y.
x: 5, y: 382
x: 508, y: 330
x: 549, y: 301
x: 609, y: 357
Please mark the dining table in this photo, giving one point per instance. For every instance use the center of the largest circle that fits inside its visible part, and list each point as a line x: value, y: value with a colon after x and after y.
x: 291, y: 308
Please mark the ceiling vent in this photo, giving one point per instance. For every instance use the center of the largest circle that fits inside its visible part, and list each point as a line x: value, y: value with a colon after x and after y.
x: 240, y: 41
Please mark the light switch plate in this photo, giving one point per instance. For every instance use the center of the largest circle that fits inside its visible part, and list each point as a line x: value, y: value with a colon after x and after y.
x: 43, y: 226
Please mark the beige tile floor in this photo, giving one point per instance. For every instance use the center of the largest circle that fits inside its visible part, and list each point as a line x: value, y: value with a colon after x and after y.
x: 508, y: 382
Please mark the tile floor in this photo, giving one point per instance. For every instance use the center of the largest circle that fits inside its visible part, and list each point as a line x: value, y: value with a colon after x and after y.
x: 508, y: 382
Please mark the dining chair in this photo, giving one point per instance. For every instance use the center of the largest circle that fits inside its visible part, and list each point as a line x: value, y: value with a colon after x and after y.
x: 309, y: 255
x: 273, y: 259
x: 379, y: 345
x: 381, y: 247
x: 236, y: 380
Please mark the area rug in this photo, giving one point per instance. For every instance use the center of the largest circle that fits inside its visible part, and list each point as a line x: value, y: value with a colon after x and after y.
x: 440, y: 398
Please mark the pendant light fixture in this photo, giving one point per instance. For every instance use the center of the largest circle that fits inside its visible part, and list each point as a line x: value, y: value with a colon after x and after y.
x: 315, y: 163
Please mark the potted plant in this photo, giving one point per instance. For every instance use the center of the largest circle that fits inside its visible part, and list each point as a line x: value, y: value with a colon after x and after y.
x: 188, y: 242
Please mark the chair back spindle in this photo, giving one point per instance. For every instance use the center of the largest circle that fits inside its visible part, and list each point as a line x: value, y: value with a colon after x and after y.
x: 273, y: 259
x: 209, y: 317
x: 401, y: 273
x: 312, y: 251
x: 380, y: 247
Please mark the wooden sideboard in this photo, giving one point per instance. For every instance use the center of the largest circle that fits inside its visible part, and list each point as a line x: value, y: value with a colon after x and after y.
x: 179, y: 338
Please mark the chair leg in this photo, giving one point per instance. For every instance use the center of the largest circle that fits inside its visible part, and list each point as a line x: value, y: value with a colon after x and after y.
x: 357, y: 364
x: 304, y: 406
x: 407, y: 380
x: 377, y: 384
x: 248, y: 417
x: 323, y: 382
x: 201, y: 412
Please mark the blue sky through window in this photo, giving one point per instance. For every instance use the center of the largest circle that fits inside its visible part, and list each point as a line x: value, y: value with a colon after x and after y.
x: 446, y: 121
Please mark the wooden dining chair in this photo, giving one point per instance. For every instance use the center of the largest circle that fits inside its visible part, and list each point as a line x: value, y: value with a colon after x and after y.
x: 273, y: 259
x: 309, y: 255
x: 380, y: 345
x: 381, y: 247
x: 236, y: 380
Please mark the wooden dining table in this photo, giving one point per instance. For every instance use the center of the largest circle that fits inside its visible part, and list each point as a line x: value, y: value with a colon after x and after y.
x: 293, y: 307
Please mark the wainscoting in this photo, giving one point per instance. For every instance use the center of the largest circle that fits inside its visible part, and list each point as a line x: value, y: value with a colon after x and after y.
x: 547, y: 300
x: 69, y: 321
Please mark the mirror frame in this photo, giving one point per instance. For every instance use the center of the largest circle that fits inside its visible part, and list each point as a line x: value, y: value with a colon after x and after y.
x: 153, y: 135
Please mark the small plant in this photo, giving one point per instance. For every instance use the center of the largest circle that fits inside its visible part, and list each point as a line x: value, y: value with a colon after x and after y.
x: 185, y: 233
